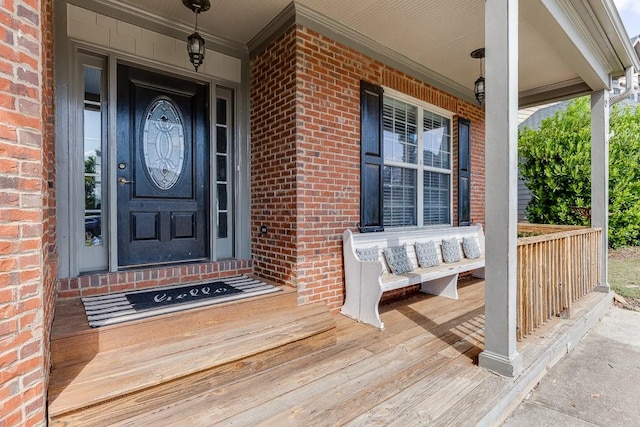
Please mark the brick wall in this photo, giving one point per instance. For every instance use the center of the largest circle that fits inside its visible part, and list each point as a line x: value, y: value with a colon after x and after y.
x: 26, y: 283
x: 306, y: 169
x: 274, y: 162
x: 49, y: 249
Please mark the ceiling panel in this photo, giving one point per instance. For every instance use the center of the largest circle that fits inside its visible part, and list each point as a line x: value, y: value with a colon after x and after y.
x: 436, y: 34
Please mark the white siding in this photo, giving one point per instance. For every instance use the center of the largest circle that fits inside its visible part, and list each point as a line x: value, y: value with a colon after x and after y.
x: 100, y: 30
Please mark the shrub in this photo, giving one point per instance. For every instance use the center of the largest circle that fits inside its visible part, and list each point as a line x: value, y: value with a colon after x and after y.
x: 555, y: 161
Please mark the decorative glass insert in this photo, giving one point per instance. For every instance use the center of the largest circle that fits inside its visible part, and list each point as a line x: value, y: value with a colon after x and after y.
x: 163, y: 143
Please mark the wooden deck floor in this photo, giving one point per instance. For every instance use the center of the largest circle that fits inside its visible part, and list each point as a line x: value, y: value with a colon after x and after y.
x: 422, y: 369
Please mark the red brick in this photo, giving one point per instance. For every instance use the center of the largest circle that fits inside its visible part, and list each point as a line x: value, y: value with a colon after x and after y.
x: 13, y: 151
x: 7, y: 265
x: 7, y: 359
x: 8, y: 326
x: 7, y: 132
x: 13, y: 415
x: 30, y: 349
x: 8, y: 166
x: 30, y: 14
x: 7, y: 100
x: 28, y: 321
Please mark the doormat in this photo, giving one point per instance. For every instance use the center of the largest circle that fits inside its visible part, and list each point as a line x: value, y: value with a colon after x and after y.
x: 121, y: 307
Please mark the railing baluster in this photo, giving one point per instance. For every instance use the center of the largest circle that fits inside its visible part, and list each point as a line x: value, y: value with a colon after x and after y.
x: 555, y: 269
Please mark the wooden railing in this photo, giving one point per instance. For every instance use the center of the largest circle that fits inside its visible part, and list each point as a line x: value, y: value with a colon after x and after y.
x: 554, y: 270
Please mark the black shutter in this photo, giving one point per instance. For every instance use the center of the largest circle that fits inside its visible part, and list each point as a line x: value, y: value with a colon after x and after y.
x: 464, y: 172
x: 372, y: 160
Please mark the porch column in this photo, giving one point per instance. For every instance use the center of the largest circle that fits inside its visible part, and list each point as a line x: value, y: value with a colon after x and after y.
x: 501, y: 157
x: 600, y: 176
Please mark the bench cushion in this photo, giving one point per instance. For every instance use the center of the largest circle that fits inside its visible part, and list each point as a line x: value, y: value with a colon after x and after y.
x: 367, y: 254
x: 451, y: 250
x: 471, y: 248
x: 427, y: 254
x: 398, y: 259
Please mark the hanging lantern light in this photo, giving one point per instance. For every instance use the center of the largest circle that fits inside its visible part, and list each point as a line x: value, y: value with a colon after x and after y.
x: 195, y: 42
x: 478, y: 85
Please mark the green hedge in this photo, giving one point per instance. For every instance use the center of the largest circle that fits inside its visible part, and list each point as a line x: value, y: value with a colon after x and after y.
x: 555, y: 161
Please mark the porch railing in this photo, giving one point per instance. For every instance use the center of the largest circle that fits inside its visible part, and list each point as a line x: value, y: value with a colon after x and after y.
x: 557, y: 265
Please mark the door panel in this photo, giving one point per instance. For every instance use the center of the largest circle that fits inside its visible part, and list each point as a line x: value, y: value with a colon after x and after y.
x: 162, y: 163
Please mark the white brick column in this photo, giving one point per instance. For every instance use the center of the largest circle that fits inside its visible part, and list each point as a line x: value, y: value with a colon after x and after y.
x: 501, y: 41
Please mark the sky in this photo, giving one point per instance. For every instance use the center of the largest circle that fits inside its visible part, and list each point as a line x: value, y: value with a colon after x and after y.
x: 630, y: 13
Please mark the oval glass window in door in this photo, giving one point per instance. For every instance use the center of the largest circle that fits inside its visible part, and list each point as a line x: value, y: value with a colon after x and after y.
x: 163, y: 143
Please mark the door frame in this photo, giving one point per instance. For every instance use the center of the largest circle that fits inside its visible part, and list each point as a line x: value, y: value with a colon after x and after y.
x: 69, y: 134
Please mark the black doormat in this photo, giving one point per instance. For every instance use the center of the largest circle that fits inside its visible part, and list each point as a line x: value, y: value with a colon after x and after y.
x: 120, y: 307
x: 183, y: 295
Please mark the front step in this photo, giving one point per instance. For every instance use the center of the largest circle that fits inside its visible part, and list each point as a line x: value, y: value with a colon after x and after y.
x: 153, y: 362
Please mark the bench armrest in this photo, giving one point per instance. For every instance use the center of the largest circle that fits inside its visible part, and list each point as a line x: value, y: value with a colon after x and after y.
x: 362, y: 284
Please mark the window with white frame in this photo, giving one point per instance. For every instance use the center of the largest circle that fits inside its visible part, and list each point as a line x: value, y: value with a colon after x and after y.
x: 417, y: 165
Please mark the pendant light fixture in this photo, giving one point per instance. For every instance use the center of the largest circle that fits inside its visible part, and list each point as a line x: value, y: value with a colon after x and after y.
x: 195, y: 42
x: 478, y: 85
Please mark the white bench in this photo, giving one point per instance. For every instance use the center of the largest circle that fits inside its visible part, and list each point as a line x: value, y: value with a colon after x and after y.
x: 365, y: 281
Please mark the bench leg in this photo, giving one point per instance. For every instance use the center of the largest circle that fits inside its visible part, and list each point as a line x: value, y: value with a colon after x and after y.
x: 369, y: 302
x: 445, y: 286
x: 479, y: 273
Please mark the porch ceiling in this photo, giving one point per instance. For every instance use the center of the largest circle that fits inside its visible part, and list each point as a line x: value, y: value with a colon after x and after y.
x: 436, y: 35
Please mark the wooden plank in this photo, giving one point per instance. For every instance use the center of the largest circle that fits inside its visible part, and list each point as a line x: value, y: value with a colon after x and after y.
x: 409, y: 378
x: 362, y: 392
x: 427, y: 400
x: 73, y: 339
x: 117, y: 372
x: 293, y: 385
x: 170, y: 394
x: 241, y: 396
x: 352, y: 389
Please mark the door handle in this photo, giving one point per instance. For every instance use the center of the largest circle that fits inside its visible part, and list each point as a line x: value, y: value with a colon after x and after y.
x: 123, y: 180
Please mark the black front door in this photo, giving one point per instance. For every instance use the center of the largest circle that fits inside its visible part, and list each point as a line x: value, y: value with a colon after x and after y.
x: 162, y: 168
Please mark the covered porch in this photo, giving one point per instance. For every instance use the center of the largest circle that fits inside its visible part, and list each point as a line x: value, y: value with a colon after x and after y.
x: 299, y: 174
x: 422, y: 369
x: 276, y: 170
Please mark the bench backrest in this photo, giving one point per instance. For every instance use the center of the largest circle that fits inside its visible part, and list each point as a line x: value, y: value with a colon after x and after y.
x: 386, y: 239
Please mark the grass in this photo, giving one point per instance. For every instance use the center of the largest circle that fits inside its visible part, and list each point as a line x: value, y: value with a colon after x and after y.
x: 624, y: 272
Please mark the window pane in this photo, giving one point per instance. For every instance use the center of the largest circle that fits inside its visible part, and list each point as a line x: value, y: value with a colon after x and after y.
x: 222, y: 197
x: 92, y: 149
x: 221, y: 139
x: 400, y: 135
x: 223, y: 225
x: 437, y: 140
x: 221, y: 162
x: 399, y: 196
x: 221, y: 111
x: 437, y: 196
